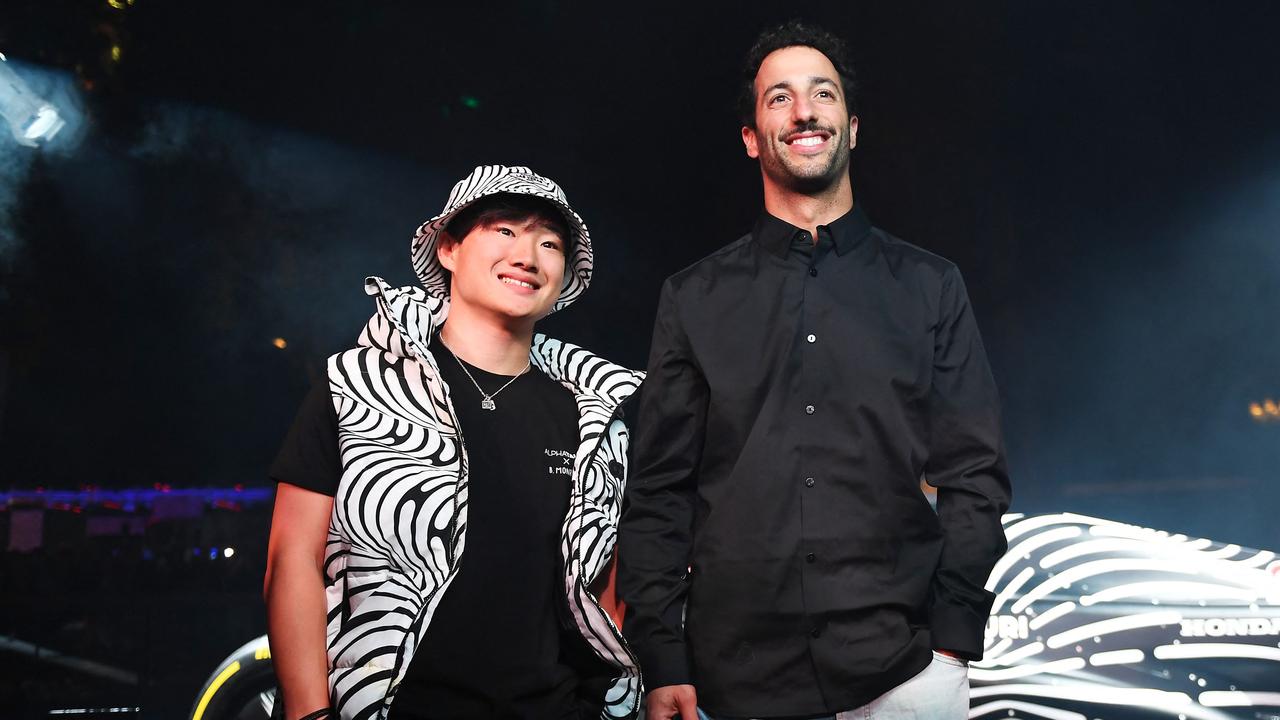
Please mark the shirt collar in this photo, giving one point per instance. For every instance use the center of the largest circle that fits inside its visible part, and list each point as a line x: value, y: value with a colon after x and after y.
x: 775, y: 234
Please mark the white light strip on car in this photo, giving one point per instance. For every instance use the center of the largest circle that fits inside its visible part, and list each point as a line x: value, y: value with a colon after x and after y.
x: 1114, y: 625
x: 1185, y: 651
x: 1182, y: 552
x: 1239, y: 698
x: 1071, y: 575
x: 1043, y: 711
x: 1010, y: 657
x: 1171, y: 590
x: 1039, y: 521
x: 996, y: 649
x: 1262, y: 558
x: 1150, y: 537
x: 1148, y: 697
x: 1023, y: 527
x: 1117, y: 657
x: 1136, y: 532
x: 1012, y: 589
x: 1055, y: 667
x: 1022, y: 550
x: 1051, y: 614
x: 1226, y: 551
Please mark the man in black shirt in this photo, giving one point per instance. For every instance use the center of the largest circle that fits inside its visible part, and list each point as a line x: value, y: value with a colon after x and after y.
x: 777, y: 557
x: 448, y: 497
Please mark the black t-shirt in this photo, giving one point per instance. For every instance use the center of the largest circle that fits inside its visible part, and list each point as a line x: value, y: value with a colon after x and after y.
x: 500, y: 644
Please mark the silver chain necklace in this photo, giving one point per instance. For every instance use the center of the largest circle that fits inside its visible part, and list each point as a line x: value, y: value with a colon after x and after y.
x: 486, y: 401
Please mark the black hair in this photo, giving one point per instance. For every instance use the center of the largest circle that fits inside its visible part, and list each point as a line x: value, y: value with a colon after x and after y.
x: 794, y: 33
x: 509, y: 207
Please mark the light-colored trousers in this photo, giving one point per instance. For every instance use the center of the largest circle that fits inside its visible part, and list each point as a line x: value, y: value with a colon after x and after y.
x: 939, y: 692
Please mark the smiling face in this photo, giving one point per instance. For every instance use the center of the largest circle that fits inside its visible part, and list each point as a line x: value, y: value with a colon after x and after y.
x: 511, y: 270
x: 803, y: 130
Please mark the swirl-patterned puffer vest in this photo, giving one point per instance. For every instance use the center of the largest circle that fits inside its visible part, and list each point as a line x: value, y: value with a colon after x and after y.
x: 400, y: 514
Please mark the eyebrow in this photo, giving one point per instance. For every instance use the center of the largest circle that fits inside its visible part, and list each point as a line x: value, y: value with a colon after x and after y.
x: 560, y: 231
x: 813, y: 80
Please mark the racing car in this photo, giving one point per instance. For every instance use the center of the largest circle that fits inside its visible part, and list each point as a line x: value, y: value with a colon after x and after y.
x: 1093, y: 620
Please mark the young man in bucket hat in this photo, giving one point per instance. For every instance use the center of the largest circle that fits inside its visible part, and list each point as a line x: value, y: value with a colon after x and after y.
x: 448, y: 500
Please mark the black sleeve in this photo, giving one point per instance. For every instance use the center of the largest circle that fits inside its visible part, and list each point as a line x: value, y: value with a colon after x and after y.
x: 309, y: 456
x: 967, y: 465
x: 655, y: 538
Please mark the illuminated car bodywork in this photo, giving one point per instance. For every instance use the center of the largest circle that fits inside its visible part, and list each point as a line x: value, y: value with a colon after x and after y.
x: 1099, y: 619
x: 1093, y: 620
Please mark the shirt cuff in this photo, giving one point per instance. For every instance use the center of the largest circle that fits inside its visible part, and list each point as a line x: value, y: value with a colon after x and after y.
x: 665, y: 665
x: 958, y: 629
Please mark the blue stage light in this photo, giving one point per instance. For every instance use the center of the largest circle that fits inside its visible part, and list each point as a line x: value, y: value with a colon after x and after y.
x: 31, y: 118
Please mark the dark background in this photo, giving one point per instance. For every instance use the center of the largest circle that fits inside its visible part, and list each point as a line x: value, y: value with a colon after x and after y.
x: 1106, y: 175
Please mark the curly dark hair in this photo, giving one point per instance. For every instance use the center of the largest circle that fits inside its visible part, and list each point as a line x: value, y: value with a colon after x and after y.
x: 794, y: 33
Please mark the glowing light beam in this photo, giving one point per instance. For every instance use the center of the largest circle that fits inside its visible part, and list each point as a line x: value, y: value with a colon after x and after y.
x: 1185, y: 651
x: 1238, y: 698
x: 1113, y: 625
x: 31, y: 118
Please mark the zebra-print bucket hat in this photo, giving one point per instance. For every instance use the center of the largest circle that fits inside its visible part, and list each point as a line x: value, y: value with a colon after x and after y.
x: 489, y: 180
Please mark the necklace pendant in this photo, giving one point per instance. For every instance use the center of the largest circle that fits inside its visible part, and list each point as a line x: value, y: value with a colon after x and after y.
x: 488, y: 404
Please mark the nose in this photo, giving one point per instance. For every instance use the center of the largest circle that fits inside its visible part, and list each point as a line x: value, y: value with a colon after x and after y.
x: 522, y: 253
x: 803, y: 111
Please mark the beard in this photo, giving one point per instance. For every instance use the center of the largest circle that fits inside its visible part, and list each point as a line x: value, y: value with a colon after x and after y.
x: 807, y: 176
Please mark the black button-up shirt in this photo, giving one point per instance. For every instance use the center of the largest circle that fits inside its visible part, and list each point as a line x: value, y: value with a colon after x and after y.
x: 776, y: 550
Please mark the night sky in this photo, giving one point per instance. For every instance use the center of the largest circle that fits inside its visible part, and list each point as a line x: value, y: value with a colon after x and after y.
x: 1107, y: 179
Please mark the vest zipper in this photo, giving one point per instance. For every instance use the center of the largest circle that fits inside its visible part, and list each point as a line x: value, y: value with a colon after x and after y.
x: 577, y: 557
x: 453, y: 549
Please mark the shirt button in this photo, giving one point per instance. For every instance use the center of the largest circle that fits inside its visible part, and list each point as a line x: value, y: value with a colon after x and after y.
x: 808, y: 409
x: 812, y: 338
x: 808, y: 482
x: 810, y: 557
x: 813, y: 272
x: 815, y: 632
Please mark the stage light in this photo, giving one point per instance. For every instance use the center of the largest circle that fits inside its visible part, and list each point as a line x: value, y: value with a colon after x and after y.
x: 1266, y: 411
x: 280, y: 343
x: 116, y: 52
x: 32, y: 119
x: 228, y: 552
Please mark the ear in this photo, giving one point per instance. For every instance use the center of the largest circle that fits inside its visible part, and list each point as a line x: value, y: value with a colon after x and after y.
x: 446, y: 251
x: 750, y: 141
x: 853, y: 131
